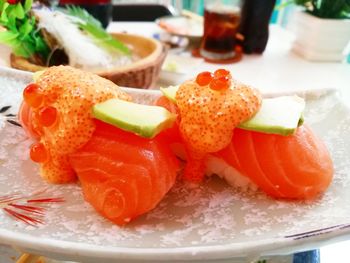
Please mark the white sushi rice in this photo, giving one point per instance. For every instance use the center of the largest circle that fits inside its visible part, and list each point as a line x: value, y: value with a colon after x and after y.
x: 83, y: 52
x: 217, y: 166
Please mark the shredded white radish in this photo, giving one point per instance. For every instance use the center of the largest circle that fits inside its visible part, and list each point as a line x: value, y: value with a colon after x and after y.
x: 82, y: 51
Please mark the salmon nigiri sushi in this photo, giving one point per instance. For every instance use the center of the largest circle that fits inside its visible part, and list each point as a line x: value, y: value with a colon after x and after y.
x: 122, y: 174
x: 297, y: 166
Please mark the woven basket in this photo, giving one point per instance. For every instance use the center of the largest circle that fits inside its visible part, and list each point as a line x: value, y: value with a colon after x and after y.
x: 143, y: 73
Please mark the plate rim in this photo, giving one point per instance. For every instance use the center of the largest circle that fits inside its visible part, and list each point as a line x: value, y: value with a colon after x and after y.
x: 265, y: 247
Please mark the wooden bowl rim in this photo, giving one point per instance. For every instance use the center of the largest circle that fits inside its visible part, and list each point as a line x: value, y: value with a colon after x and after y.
x: 149, y: 60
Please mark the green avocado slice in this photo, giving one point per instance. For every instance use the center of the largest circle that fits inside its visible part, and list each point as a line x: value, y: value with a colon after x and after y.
x: 143, y: 120
x: 170, y: 92
x: 280, y: 115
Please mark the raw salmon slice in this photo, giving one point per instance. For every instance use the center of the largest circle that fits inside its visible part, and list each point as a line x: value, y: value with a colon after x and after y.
x: 171, y: 134
x: 298, y: 166
x: 123, y: 175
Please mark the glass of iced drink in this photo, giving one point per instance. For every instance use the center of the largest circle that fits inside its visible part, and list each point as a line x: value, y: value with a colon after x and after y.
x: 221, y: 23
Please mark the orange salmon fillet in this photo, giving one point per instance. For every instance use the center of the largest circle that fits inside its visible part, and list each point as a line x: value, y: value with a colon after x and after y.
x: 297, y: 166
x: 123, y: 175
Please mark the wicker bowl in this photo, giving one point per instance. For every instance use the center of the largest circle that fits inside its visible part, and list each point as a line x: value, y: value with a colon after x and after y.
x: 143, y: 73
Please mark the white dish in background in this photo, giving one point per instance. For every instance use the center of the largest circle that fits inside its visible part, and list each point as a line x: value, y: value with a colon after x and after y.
x: 177, y: 69
x: 182, y: 26
x: 210, y: 223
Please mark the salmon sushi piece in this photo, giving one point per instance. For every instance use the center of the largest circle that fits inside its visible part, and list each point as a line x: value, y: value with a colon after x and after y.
x: 297, y: 166
x: 123, y: 175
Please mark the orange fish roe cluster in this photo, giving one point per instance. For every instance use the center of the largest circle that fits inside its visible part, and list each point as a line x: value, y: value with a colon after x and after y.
x: 210, y: 109
x: 63, y: 118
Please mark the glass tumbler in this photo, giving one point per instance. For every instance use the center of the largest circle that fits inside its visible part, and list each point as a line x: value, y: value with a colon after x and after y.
x: 221, y: 24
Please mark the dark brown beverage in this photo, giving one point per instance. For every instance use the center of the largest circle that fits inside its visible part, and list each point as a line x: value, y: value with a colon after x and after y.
x: 221, y: 24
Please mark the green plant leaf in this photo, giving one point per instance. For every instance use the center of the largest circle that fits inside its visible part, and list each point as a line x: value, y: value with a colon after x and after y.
x: 40, y: 45
x: 7, y: 37
x: 26, y: 28
x: 4, y: 6
x: 94, y: 28
x: 4, y: 13
x: 103, y: 38
x: 12, y: 24
x: 82, y: 14
x: 28, y: 5
x: 24, y: 49
x: 19, y: 51
x: 2, y: 2
x: 18, y: 11
x: 10, y: 12
x: 4, y: 18
x: 22, y: 34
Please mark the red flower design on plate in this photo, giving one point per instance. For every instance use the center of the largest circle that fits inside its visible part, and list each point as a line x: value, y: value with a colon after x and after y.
x: 28, y: 209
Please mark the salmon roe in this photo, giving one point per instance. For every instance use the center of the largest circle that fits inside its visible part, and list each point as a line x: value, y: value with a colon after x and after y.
x: 47, y: 116
x: 220, y: 80
x: 204, y: 78
x: 38, y: 153
x: 32, y: 95
x: 220, y: 83
x: 221, y: 73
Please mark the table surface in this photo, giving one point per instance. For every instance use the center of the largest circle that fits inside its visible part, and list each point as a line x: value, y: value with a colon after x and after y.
x: 277, y: 69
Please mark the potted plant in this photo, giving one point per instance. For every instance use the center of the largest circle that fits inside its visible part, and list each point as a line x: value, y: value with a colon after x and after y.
x: 322, y: 29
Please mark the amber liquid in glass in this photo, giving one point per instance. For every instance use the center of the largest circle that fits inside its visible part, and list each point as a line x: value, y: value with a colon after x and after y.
x: 220, y: 28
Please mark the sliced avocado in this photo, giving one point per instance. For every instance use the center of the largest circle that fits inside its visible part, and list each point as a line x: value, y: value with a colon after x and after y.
x: 280, y: 115
x: 170, y: 92
x: 37, y: 74
x: 143, y: 120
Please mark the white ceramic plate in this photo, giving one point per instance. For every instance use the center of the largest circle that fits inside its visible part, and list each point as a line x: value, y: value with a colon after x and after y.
x: 211, y: 223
